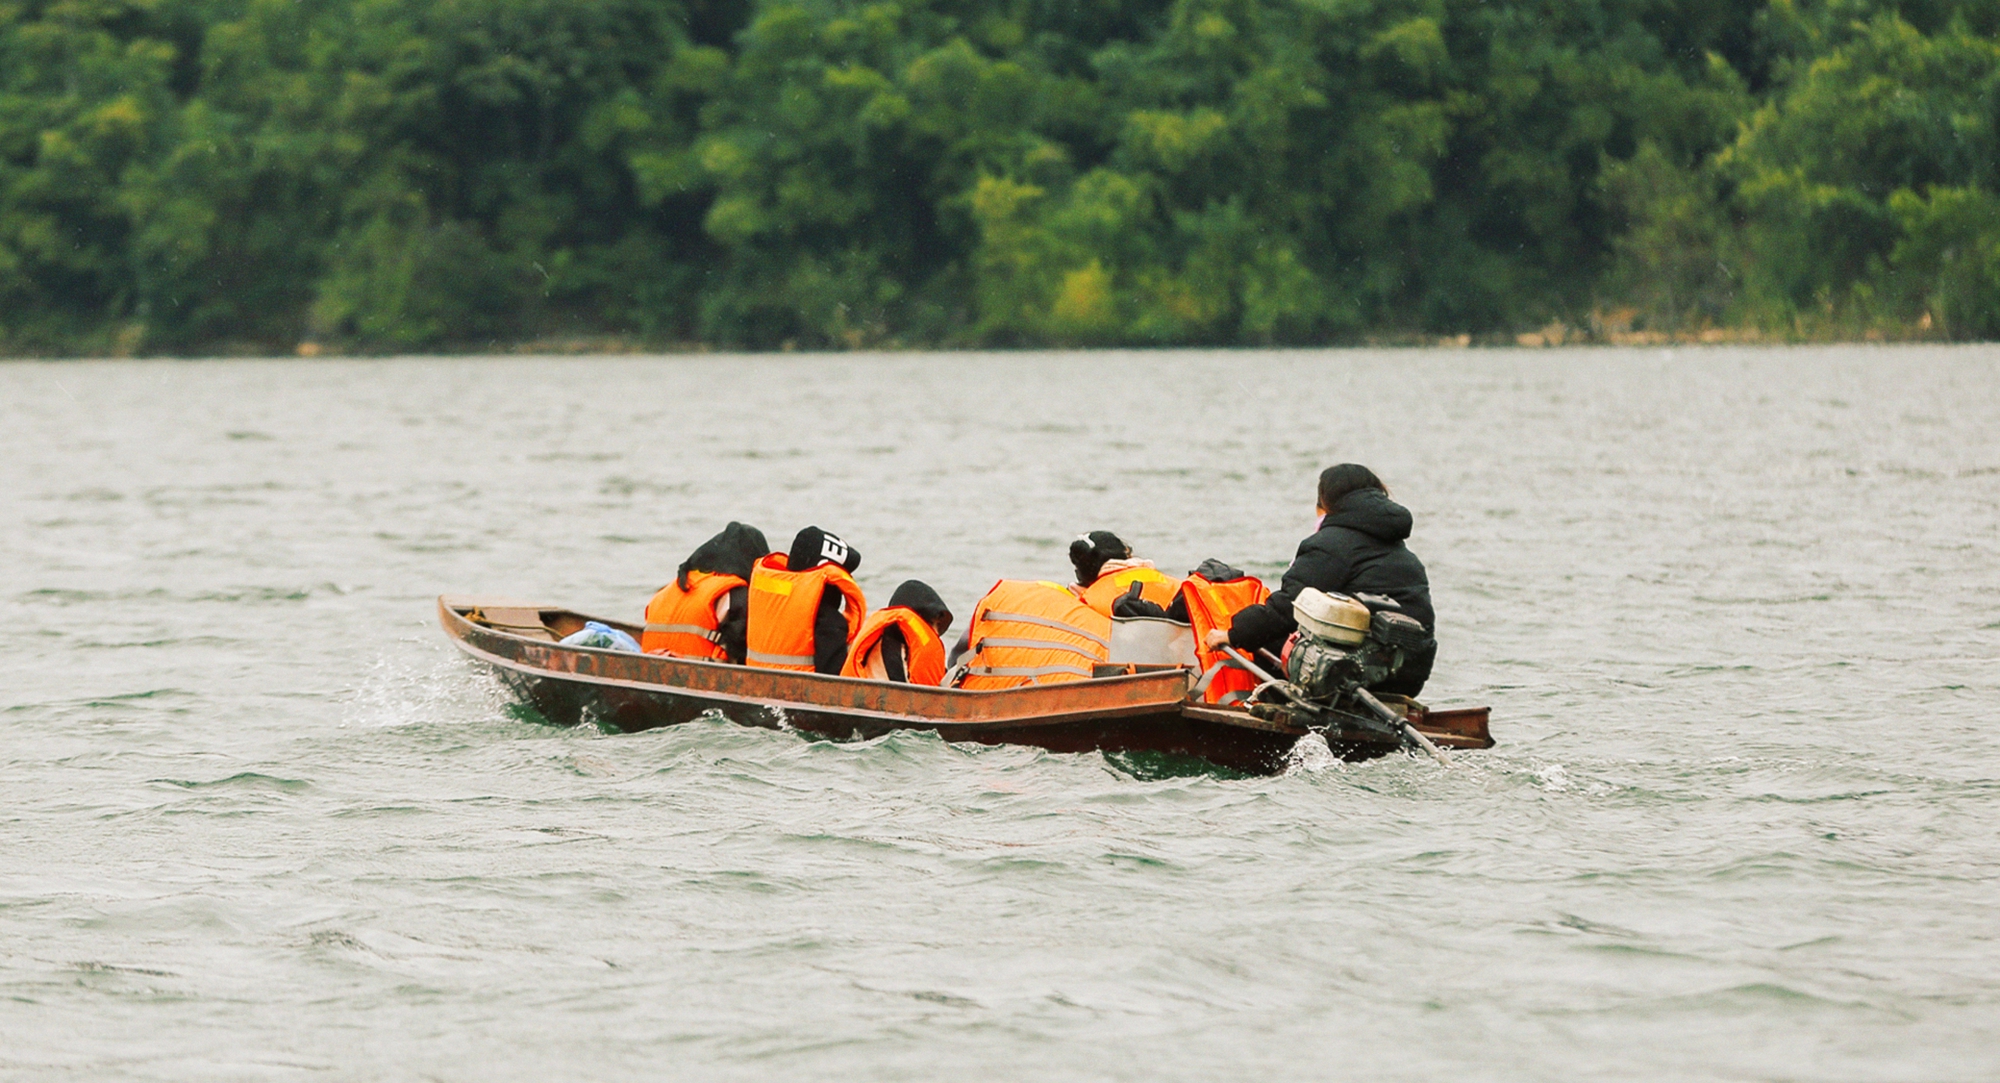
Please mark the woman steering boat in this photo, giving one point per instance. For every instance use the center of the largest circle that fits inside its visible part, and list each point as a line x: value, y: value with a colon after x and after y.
x: 1357, y: 548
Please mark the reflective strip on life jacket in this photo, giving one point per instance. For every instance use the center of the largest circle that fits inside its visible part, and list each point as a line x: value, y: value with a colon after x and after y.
x: 924, y: 661
x: 1038, y: 644
x: 1026, y: 671
x: 779, y: 661
x: 1027, y: 632
x: 1045, y: 622
x: 710, y: 634
x: 682, y: 623
x: 1215, y: 605
x: 784, y: 605
x: 1154, y: 586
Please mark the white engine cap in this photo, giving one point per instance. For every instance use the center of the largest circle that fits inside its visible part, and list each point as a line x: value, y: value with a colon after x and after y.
x: 1336, y: 618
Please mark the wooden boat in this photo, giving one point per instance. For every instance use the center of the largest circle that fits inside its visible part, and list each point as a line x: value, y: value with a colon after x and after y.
x: 1127, y: 708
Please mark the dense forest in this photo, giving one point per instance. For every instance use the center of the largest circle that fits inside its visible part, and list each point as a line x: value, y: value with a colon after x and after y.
x: 183, y: 176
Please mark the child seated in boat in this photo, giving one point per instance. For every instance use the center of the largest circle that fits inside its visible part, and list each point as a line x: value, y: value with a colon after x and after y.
x: 701, y: 613
x: 903, y: 642
x: 1030, y: 632
x: 805, y: 606
x: 1107, y: 573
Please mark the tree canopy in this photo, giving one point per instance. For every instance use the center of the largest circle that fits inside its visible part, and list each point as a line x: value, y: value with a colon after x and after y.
x: 191, y: 175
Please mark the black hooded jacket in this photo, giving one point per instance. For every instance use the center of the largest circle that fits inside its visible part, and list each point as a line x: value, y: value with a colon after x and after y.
x: 811, y: 548
x: 916, y: 596
x: 1358, y: 550
x: 730, y: 552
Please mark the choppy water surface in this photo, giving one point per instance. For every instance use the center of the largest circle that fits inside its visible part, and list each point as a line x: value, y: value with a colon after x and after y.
x: 1737, y: 614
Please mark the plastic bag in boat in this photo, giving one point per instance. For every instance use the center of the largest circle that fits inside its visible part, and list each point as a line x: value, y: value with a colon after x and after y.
x: 599, y: 634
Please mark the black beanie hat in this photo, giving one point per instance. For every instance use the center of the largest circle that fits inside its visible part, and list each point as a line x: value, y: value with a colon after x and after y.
x: 814, y: 547
x: 1089, y: 552
x: 918, y: 597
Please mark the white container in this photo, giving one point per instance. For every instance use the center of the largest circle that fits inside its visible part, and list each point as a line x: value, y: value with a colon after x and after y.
x: 1335, y: 618
x: 1152, y: 641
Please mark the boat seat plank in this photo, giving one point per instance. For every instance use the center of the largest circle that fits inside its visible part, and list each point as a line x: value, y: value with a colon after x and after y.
x: 514, y: 621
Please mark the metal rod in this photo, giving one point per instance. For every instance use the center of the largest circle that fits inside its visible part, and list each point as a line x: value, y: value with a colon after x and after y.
x: 1246, y: 663
x: 1410, y: 733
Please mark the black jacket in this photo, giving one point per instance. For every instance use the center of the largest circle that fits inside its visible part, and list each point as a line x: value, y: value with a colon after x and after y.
x: 811, y: 548
x: 830, y: 634
x: 731, y: 552
x: 1358, y: 549
x: 735, y: 626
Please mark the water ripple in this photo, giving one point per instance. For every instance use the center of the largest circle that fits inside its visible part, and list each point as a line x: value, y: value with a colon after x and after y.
x: 1733, y: 610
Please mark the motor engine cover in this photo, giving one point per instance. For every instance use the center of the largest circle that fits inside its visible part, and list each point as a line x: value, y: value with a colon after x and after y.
x: 1334, y: 618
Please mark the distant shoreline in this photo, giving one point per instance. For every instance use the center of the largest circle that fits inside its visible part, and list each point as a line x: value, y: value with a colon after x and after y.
x: 1551, y: 336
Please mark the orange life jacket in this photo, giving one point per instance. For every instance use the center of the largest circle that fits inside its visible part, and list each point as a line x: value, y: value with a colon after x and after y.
x: 683, y: 622
x: 1215, y: 605
x: 783, y: 604
x: 925, y: 664
x: 1154, y: 586
x: 1027, y: 632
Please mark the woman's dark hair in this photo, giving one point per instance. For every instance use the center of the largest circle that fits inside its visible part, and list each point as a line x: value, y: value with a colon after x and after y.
x: 1337, y: 481
x: 1088, y: 553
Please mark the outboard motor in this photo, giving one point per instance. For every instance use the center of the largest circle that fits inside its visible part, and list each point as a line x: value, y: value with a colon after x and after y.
x: 1343, y: 647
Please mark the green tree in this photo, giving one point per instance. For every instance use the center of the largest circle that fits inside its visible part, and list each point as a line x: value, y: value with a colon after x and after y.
x: 1841, y: 163
x: 86, y: 99
x: 184, y: 175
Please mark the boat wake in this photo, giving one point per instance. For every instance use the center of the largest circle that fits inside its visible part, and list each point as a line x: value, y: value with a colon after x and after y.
x: 1311, y: 755
x: 398, y: 691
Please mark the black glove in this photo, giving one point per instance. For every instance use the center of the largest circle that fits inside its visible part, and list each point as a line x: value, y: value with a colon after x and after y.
x: 1129, y: 604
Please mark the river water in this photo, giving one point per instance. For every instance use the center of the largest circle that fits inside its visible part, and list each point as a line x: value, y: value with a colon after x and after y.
x: 1737, y: 613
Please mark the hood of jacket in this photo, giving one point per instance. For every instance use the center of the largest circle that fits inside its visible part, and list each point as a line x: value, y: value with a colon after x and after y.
x: 1371, y: 512
x: 731, y: 552
x: 917, y: 596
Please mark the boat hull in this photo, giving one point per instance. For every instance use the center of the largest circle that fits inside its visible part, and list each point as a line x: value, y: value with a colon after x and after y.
x: 1142, y: 712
